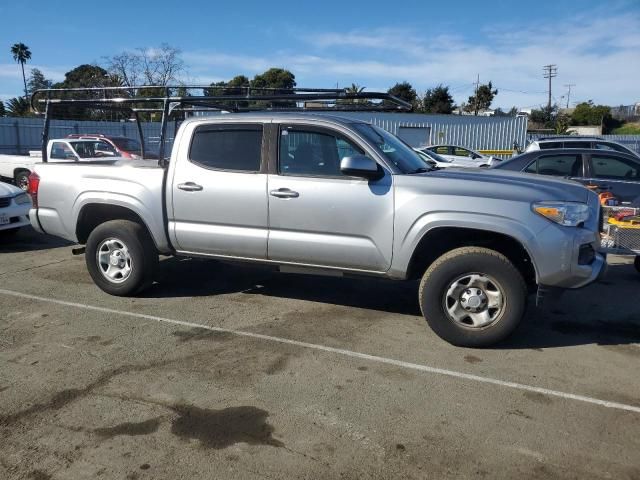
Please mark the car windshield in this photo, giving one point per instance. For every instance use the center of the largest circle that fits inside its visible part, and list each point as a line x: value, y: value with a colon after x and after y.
x: 127, y: 144
x: 434, y: 156
x: 98, y: 149
x: 395, y: 150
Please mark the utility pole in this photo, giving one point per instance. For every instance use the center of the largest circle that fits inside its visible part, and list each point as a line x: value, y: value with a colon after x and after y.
x: 550, y: 71
x: 475, y: 97
x: 569, y: 85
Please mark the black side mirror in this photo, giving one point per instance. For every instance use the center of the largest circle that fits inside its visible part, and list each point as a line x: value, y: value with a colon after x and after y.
x: 361, y: 166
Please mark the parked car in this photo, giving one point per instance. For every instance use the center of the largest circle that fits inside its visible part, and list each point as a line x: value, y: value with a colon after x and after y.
x: 433, y: 159
x: 601, y: 170
x: 16, y: 168
x: 573, y: 141
x: 14, y: 208
x: 330, y: 196
x: 461, y: 156
x: 120, y: 146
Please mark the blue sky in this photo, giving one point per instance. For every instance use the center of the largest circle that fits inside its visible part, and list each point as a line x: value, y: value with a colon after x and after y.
x: 595, y: 44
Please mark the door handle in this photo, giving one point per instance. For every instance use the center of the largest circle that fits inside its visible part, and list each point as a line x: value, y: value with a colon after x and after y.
x: 190, y: 187
x: 284, y: 193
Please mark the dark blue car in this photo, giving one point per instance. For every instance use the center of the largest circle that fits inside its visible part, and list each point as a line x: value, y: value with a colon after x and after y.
x: 616, y: 172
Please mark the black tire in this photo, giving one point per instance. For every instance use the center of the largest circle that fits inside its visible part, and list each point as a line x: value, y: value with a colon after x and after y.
x: 636, y: 263
x: 22, y: 180
x: 457, y: 264
x: 141, y: 252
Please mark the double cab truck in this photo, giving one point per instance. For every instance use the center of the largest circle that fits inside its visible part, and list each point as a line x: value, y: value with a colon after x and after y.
x: 322, y: 194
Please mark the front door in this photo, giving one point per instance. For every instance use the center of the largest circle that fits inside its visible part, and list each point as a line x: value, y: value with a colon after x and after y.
x: 317, y: 215
x: 219, y: 193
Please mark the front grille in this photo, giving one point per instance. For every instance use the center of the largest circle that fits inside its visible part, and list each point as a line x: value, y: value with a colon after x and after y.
x: 5, y: 201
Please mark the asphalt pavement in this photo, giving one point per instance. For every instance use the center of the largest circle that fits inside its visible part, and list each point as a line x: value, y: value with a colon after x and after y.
x: 240, y: 372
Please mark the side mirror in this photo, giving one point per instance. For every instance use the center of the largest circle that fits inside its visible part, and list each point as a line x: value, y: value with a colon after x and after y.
x: 361, y: 166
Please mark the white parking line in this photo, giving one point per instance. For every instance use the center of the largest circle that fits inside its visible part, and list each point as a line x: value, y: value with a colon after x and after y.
x: 339, y: 351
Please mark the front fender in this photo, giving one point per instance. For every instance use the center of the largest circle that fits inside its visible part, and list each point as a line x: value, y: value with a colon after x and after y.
x: 408, y: 240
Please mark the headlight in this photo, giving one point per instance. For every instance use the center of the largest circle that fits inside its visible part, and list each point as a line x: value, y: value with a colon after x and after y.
x: 569, y: 214
x: 22, y: 199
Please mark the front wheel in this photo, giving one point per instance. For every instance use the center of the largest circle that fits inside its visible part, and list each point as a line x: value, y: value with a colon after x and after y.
x: 473, y: 297
x: 121, y: 257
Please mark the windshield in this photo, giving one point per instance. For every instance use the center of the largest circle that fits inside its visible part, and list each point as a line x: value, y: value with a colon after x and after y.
x: 127, y: 144
x: 433, y: 156
x: 97, y: 149
x: 395, y: 150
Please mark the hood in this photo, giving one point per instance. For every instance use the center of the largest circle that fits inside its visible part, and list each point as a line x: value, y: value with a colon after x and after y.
x: 8, y: 190
x: 490, y: 183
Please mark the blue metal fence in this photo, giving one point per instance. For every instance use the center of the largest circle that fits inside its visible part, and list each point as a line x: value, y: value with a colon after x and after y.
x: 19, y: 135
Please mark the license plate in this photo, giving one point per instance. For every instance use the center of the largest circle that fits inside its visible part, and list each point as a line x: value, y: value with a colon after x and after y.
x: 4, y: 219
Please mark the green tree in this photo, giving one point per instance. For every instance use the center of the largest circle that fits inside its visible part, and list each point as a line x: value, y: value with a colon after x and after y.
x: 405, y: 91
x: 87, y: 76
x: 283, y: 81
x: 438, y: 100
x: 3, y: 112
x: 232, y: 87
x: 18, y: 107
x: 277, y: 78
x: 21, y: 54
x: 482, y: 99
x: 37, y: 81
x: 545, y: 116
x: 586, y: 113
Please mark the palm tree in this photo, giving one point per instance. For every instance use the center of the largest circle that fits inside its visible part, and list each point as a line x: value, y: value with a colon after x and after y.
x: 21, y: 54
x: 355, y: 89
x: 18, y: 107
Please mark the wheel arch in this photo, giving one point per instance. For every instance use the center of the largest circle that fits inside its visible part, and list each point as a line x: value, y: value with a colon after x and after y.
x: 439, y: 240
x: 93, y: 214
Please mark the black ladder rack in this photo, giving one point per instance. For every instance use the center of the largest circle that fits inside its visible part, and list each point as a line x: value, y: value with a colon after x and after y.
x: 183, y: 98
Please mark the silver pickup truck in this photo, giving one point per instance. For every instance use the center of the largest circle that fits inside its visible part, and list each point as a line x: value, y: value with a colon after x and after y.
x: 329, y: 195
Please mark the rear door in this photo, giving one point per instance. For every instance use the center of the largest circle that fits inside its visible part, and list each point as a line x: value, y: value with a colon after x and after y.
x: 566, y: 165
x: 317, y: 215
x: 615, y: 173
x: 220, y: 192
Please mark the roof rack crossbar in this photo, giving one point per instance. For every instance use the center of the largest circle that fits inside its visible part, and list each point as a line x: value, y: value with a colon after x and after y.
x: 337, y: 99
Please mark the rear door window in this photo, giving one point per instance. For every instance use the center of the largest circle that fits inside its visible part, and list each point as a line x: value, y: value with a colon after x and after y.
x: 227, y: 147
x: 616, y: 168
x: 557, y: 166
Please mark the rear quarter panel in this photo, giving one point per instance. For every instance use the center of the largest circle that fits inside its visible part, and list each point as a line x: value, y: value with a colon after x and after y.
x: 66, y: 189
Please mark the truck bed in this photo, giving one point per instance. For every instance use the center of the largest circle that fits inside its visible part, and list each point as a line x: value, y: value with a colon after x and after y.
x: 66, y: 188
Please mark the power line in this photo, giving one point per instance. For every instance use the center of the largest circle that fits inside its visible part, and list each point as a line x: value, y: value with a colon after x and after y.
x: 550, y: 71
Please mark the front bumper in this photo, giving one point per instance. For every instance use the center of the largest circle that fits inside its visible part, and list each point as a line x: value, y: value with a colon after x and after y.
x: 17, y: 216
x: 559, y: 263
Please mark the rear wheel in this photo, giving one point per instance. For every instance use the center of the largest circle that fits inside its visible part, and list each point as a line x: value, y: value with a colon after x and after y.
x: 121, y: 257
x: 473, y: 297
x: 22, y: 180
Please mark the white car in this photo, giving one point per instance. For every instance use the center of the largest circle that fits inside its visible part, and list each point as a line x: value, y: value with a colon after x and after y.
x: 434, y: 159
x: 14, y: 207
x: 461, y: 156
